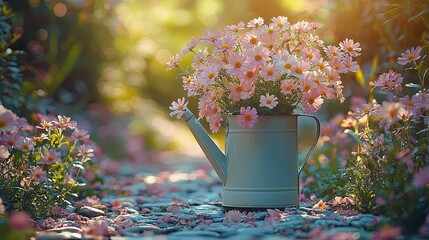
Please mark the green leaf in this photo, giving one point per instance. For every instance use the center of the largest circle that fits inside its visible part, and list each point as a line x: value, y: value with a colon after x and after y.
x: 412, y: 85
x: 77, y: 165
x: 360, y: 78
x: 66, y: 67
x: 374, y: 66
x: 425, y: 10
x: 73, y: 194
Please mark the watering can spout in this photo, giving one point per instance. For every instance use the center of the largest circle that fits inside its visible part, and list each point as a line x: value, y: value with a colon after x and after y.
x: 210, y: 149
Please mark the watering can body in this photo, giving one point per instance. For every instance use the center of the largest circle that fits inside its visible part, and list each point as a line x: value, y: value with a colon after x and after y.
x: 260, y: 166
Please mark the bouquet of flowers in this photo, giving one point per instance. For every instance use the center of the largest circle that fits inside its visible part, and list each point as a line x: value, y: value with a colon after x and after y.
x: 262, y: 69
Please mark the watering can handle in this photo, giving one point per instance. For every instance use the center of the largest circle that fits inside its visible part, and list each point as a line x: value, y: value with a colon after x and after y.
x: 315, y: 141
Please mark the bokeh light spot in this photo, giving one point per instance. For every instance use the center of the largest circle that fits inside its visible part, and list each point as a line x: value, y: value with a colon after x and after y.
x: 162, y: 56
x: 182, y: 17
x: 60, y: 9
x: 34, y: 3
x: 42, y: 34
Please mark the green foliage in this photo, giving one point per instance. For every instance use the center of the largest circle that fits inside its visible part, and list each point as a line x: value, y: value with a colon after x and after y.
x: 11, y: 72
x: 389, y: 143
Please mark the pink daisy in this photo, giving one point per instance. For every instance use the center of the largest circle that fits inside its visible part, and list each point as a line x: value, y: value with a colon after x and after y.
x: 269, y: 101
x: 281, y: 21
x: 80, y: 134
x: 235, y: 91
x: 250, y: 75
x: 214, y: 122
x: 235, y: 28
x: 269, y: 33
x: 235, y: 64
x: 224, y: 44
x: 50, y: 157
x: 178, y: 107
x: 286, y: 63
x: 10, y: 139
x: 350, y: 47
x: 269, y: 73
x: 248, y: 89
x: 8, y: 120
x: 248, y: 117
x: 250, y: 40
x: 287, y: 86
x: 190, y: 45
x: 337, y: 65
x: 409, y: 55
x: 332, y: 51
x: 257, y: 56
x: 85, y: 150
x: 350, y: 65
x: 210, y: 36
x: 174, y: 61
x: 25, y: 144
x: 307, y: 83
x: 255, y: 23
x: 208, y: 74
x: 311, y: 101
x: 38, y: 174
x: 311, y: 54
x: 300, y: 69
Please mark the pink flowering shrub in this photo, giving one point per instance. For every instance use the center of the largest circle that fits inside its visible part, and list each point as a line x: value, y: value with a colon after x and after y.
x: 40, y: 167
x: 262, y: 69
x: 388, y: 169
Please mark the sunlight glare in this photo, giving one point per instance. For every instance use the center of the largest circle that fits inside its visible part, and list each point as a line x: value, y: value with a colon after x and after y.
x: 208, y: 11
x: 162, y: 56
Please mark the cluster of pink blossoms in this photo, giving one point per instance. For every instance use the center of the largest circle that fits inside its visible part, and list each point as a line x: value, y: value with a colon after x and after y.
x: 268, y: 69
x: 17, y: 135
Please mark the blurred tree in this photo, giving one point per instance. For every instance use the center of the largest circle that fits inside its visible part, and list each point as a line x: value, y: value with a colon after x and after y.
x: 11, y: 72
x: 66, y: 42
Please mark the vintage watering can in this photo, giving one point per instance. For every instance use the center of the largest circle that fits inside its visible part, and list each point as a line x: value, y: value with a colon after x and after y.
x: 260, y: 166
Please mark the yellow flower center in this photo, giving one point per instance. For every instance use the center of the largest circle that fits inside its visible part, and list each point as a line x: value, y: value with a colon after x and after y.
x: 269, y: 101
x: 3, y: 123
x: 258, y: 57
x: 237, y: 64
x: 309, y: 56
x: 270, y: 72
x: 310, y: 101
x: 410, y: 56
x: 253, y: 40
x: 287, y: 65
x: 238, y: 89
x: 211, y: 75
x: 249, y: 74
x: 298, y: 70
x: 393, y: 112
x: 270, y: 31
x: 307, y: 87
x: 247, y: 118
x: 225, y: 46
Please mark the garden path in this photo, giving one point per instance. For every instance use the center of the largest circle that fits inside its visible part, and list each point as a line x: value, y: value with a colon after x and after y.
x: 181, y: 199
